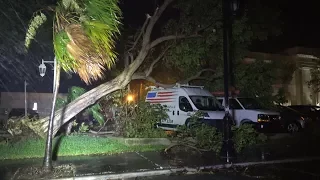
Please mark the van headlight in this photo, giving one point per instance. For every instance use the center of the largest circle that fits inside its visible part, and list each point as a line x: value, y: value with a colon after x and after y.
x: 263, y: 118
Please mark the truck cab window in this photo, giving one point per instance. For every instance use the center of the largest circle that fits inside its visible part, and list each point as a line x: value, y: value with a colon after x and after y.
x: 184, y: 104
x: 234, y: 104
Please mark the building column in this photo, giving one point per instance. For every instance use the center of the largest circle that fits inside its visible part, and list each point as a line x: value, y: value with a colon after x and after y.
x: 299, y: 86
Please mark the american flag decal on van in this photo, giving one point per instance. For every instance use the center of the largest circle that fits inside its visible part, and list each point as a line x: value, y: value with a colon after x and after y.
x: 160, y: 97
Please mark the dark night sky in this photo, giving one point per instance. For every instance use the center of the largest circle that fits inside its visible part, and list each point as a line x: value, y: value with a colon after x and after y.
x: 300, y: 18
x: 301, y: 27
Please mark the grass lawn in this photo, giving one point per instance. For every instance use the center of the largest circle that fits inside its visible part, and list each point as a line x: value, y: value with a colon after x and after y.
x: 73, y: 145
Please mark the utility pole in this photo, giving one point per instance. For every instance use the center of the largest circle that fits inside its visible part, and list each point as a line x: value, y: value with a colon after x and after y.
x: 25, y: 99
x: 230, y: 8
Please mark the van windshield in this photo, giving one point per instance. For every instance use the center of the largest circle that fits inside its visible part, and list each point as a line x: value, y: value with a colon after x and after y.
x: 206, y: 103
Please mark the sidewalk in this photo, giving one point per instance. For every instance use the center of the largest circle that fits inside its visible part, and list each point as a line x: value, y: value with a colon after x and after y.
x: 151, y: 163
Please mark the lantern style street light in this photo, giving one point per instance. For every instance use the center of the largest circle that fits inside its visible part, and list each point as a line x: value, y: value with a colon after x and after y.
x: 47, y: 162
x: 43, y: 69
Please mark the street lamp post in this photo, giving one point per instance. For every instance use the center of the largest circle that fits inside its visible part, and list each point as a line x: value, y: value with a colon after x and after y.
x: 25, y: 99
x: 47, y: 162
x: 230, y: 8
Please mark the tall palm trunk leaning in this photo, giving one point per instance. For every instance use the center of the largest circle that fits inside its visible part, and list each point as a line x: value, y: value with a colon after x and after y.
x: 84, y: 33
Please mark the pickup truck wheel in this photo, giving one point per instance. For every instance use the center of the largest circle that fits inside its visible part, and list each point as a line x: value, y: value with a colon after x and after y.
x: 247, y: 123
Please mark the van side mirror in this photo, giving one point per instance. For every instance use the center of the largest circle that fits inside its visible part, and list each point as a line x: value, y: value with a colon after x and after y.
x: 185, y: 107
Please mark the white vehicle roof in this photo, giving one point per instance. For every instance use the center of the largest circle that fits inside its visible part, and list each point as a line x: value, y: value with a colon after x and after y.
x: 168, y: 95
x: 196, y: 91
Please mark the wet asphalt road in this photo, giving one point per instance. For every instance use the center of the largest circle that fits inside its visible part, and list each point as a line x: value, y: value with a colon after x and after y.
x: 290, y: 171
x: 196, y: 177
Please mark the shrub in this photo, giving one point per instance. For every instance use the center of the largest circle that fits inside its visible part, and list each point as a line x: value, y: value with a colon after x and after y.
x: 204, y: 137
x: 143, y: 120
x: 246, y: 136
x: 208, y: 138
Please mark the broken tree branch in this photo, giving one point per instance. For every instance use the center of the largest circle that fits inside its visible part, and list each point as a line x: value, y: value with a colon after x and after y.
x: 149, y: 71
x: 151, y: 79
x: 197, y: 76
x: 153, y: 20
x: 141, y: 32
x: 170, y: 37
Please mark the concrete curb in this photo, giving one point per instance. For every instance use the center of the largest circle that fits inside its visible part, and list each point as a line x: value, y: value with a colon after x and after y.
x: 185, y: 169
x: 144, y: 141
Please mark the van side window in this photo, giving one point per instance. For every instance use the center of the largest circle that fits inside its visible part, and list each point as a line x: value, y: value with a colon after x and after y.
x: 184, y: 104
x: 234, y: 104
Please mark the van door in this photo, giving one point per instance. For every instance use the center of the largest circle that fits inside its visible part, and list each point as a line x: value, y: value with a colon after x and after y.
x: 183, y: 111
x: 236, y: 110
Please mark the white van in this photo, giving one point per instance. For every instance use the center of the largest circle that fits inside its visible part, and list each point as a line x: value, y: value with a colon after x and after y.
x: 246, y: 110
x: 183, y: 101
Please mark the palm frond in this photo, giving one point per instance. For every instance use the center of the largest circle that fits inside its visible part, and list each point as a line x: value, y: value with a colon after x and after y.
x: 65, y: 59
x: 104, y: 11
x: 75, y: 92
x: 102, y: 27
x: 60, y: 102
x: 95, y: 107
x: 102, y: 38
x: 98, y: 116
x: 90, y: 64
x: 91, y: 27
x: 36, y: 21
x: 71, y: 5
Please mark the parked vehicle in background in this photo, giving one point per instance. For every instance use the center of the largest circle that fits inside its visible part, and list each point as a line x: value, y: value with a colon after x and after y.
x: 292, y: 120
x: 16, y: 113
x: 311, y: 111
x: 246, y: 110
x: 183, y: 101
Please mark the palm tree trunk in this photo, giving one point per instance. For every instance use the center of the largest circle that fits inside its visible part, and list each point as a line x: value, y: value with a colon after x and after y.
x: 47, y: 161
x: 69, y: 127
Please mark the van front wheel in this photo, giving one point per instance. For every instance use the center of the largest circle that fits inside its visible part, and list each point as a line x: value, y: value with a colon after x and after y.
x: 189, y: 123
x: 247, y: 123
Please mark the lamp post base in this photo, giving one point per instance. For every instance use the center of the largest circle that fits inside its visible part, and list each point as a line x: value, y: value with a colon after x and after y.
x: 228, y: 152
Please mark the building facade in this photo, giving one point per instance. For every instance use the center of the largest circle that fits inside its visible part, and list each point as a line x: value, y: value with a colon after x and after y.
x: 297, y: 89
x: 40, y: 102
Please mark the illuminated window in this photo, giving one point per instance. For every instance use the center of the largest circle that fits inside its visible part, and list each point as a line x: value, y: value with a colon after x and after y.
x: 35, y: 106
